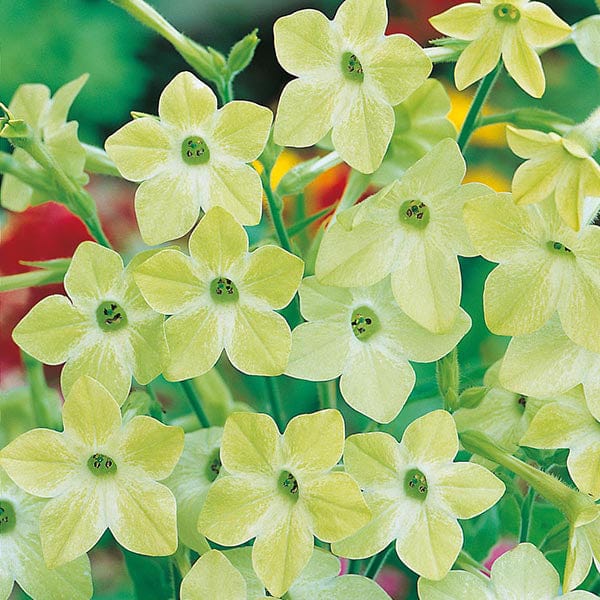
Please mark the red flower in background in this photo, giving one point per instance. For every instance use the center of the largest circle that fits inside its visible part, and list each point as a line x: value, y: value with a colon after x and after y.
x: 412, y: 18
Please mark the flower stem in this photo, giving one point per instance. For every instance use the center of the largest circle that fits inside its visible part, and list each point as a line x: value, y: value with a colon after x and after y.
x: 355, y: 187
x: 376, y: 563
x: 194, y: 399
x: 276, y: 210
x: 527, y: 515
x: 467, y: 563
x: 327, y: 392
x: 275, y: 402
x: 97, y: 161
x: 38, y: 389
x: 481, y: 95
x: 28, y: 175
x: 447, y: 372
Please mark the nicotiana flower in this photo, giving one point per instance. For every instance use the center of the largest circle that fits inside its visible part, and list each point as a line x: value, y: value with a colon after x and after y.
x: 281, y: 490
x: 583, y: 548
x: 416, y: 494
x: 222, y: 297
x: 523, y: 572
x: 568, y: 423
x: 48, y: 119
x: 412, y: 229
x: 362, y: 335
x: 99, y: 474
x: 104, y: 329
x: 192, y: 158
x: 561, y: 167
x: 511, y: 29
x: 21, y: 557
x: 547, y: 362
x: 545, y: 267
x: 420, y: 123
x: 198, y: 467
x: 349, y: 76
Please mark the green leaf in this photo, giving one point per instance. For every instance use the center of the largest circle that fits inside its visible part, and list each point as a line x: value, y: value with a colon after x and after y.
x: 242, y: 53
x: 152, y: 576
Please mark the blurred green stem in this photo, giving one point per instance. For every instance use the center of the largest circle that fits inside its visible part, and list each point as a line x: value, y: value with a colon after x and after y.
x: 97, y: 161
x: 274, y: 394
x: 276, y: 210
x: 377, y: 562
x: 194, y: 399
x: 34, y: 371
x: 327, y: 392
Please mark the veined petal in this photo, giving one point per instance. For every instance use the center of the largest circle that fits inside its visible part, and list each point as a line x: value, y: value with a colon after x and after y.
x: 51, y: 329
x: 14, y: 194
x: 579, y: 558
x: 526, y: 143
x: 186, y: 101
x: 536, y: 179
x: 305, y: 42
x: 149, y: 345
x: 457, y: 584
x: 273, y: 275
x: 479, y: 57
x: 431, y: 438
x: 584, y: 468
x: 522, y: 63
x: 319, y: 301
x: 30, y: 102
x: 140, y: 149
x: 6, y: 584
x: 62, y: 101
x: 213, y: 576
x: 361, y: 21
x: 305, y: 112
x: 363, y: 134
x: 147, y: 444
x: 541, y: 27
x: 195, y: 343
x: 466, y: 21
x: 373, y: 459
x: 260, y: 342
x: 580, y: 310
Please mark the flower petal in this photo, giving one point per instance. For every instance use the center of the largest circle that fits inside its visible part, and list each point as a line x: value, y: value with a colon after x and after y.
x: 141, y: 149
x: 373, y: 459
x: 361, y: 21
x: 479, y: 58
x: 526, y: 143
x: 522, y: 63
x: 213, y: 576
x: 431, y: 438
x: 466, y: 21
x: 579, y: 558
x: 541, y: 27
x: 584, y: 468
x: 457, y: 584
x: 147, y: 339
x: 51, y: 329
x: 30, y: 102
x: 319, y: 301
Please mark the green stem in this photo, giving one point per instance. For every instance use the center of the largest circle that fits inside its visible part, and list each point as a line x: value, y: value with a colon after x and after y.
x: 354, y: 567
x: 97, y: 161
x: 481, y: 95
x: 28, y: 175
x: 376, y: 563
x: 467, y: 563
x: 327, y: 392
x: 194, y: 399
x: 355, y: 187
x: 275, y: 402
x: 276, y: 210
x: 447, y: 372
x: 527, y: 514
x: 38, y: 389
x: 32, y: 279
x: 527, y: 120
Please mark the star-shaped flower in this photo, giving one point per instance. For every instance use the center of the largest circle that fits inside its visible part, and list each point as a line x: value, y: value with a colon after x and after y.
x: 349, y: 76
x: 544, y: 267
x: 192, y: 158
x: 281, y: 490
x: 568, y: 423
x: 523, y: 572
x: 99, y: 474
x: 511, y: 29
x: 104, y: 329
x: 362, y: 335
x: 412, y: 229
x: 222, y: 297
x: 48, y: 119
x: 561, y: 167
x: 416, y: 494
x: 21, y: 557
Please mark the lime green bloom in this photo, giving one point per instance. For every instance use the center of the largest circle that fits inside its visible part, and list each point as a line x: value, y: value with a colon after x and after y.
x: 416, y: 494
x: 280, y: 489
x: 99, y: 474
x: 513, y: 30
x: 222, y: 297
x: 104, y: 328
x: 349, y: 76
x: 545, y: 267
x: 48, y: 119
x: 523, y: 572
x: 198, y: 467
x: 547, y: 362
x: 21, y: 557
x: 192, y: 158
x: 568, y: 423
x: 420, y: 123
x: 583, y: 549
x: 362, y: 335
x: 412, y: 229
x: 561, y: 167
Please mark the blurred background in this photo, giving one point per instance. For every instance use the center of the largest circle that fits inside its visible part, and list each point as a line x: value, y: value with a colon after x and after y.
x: 54, y: 41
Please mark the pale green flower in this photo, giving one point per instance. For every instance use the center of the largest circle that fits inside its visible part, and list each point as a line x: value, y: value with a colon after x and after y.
x: 104, y: 328
x: 99, y: 474
x: 545, y: 267
x: 362, y: 335
x: 192, y: 158
x: 583, y: 549
x: 349, y: 76
x: 48, y: 119
x: 547, y: 362
x: 568, y: 423
x: 416, y: 494
x: 412, y: 229
x: 519, y: 574
x: 222, y: 297
x: 281, y: 490
x: 556, y: 166
x: 421, y: 121
x: 513, y: 30
x: 21, y: 557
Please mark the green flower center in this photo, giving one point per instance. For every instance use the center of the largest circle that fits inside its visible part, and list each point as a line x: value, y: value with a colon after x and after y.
x: 364, y: 323
x: 223, y: 290
x: 288, y: 485
x: 522, y: 402
x: 351, y: 67
x: 507, y: 12
x: 414, y: 213
x: 100, y: 464
x: 194, y: 151
x: 111, y: 316
x: 559, y: 248
x: 214, y: 466
x: 415, y: 484
x: 8, y: 517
